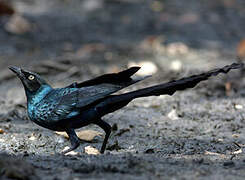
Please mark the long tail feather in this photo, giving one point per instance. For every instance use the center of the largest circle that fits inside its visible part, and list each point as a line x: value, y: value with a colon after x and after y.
x: 177, y: 85
x: 118, y: 101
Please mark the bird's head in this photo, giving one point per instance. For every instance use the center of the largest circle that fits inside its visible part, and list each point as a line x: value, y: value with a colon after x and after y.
x: 31, y: 81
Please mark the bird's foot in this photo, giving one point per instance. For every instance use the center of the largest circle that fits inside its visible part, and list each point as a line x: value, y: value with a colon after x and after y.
x: 75, y: 142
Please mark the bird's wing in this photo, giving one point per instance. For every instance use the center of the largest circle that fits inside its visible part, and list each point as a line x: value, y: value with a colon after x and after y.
x: 122, y: 78
x: 82, y: 97
x: 67, y: 104
x: 70, y: 100
x: 54, y: 108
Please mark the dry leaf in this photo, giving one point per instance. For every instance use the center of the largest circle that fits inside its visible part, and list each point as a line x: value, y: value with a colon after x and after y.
x: 1, y: 131
x: 86, y: 135
x: 241, y: 49
x: 91, y: 150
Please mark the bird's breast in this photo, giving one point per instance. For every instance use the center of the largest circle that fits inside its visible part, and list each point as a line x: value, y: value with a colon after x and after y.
x: 31, y: 111
x: 38, y: 113
x: 41, y: 117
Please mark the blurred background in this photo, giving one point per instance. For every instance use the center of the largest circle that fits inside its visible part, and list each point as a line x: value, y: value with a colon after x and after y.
x: 84, y: 37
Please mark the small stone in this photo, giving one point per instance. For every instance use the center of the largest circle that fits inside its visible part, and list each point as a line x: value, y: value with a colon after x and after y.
x: 32, y: 138
x: 238, y: 151
x: 65, y: 148
x: 72, y: 153
x: 173, y: 115
x: 220, y: 140
x: 235, y: 135
x: 91, y: 150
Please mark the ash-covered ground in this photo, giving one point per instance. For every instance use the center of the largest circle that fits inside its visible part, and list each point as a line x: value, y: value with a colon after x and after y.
x: 195, y: 134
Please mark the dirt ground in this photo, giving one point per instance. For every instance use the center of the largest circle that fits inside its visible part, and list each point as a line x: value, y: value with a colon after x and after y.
x: 194, y: 134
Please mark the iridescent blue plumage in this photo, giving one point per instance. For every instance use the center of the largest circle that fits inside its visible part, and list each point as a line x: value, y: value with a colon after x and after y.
x: 45, y: 107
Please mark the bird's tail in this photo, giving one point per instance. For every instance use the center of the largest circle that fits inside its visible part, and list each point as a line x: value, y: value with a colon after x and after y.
x: 118, y: 101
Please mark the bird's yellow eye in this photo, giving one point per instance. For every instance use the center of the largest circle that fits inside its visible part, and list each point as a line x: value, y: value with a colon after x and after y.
x: 31, y: 77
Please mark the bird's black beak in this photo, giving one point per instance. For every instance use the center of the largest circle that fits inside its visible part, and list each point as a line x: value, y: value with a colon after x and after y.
x: 17, y: 71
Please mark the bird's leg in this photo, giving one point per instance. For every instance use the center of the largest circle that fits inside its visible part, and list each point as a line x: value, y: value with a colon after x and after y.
x: 107, y: 128
x: 75, y: 141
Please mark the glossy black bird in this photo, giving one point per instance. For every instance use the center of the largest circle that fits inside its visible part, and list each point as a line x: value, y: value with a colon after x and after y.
x: 80, y: 104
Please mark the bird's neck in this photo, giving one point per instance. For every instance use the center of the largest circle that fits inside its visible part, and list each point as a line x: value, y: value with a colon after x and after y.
x: 33, y: 98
